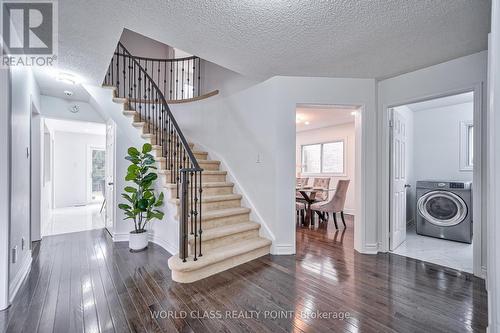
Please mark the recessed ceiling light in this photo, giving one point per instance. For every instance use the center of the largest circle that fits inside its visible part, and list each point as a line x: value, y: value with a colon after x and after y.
x: 306, y: 123
x: 74, y: 108
x: 353, y: 113
x: 68, y: 93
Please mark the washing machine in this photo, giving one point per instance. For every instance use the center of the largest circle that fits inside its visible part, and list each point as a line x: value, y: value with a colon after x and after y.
x: 444, y: 210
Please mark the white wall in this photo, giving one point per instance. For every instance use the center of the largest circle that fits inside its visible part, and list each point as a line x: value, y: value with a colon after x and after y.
x: 451, y: 77
x: 71, y: 171
x: 142, y: 46
x: 260, y: 121
x: 24, y: 92
x: 5, y: 121
x: 437, y: 142
x: 58, y: 108
x: 344, y: 132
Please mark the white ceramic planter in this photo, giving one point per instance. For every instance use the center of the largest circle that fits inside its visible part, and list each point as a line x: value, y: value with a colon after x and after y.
x: 138, y: 241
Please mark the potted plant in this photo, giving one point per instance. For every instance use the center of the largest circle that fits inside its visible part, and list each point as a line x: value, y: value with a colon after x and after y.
x: 143, y: 203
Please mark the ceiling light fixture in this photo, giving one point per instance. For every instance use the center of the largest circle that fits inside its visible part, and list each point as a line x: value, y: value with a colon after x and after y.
x: 74, y: 108
x: 67, y: 78
x: 354, y: 113
x: 306, y: 123
x: 68, y: 93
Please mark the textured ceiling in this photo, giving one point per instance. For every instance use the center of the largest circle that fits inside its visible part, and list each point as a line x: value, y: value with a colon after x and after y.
x: 263, y: 38
x: 309, y: 118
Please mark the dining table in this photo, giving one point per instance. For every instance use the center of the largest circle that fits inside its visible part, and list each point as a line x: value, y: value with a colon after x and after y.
x: 308, y: 196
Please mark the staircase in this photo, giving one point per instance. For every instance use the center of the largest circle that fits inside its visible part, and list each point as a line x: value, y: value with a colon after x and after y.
x: 216, y: 232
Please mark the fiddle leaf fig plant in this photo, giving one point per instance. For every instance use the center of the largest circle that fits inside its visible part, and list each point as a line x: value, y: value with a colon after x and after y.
x: 143, y: 203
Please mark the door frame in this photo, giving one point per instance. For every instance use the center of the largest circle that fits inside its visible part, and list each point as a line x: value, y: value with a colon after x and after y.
x: 110, y: 207
x: 360, y: 169
x: 478, y: 216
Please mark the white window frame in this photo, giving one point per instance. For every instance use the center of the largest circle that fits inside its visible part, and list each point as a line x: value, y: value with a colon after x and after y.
x: 321, y: 173
x: 465, y: 145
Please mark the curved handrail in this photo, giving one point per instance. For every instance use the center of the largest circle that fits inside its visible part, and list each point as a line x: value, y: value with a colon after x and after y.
x: 178, y: 78
x: 194, y: 162
x: 160, y: 59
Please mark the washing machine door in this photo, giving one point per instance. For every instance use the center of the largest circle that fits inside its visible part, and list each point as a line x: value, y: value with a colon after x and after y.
x: 442, y: 208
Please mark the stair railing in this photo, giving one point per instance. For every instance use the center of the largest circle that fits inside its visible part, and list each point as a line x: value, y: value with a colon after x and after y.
x: 133, y: 82
x: 177, y: 79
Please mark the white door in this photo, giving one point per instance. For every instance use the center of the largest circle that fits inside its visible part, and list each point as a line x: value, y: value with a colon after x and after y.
x: 398, y: 179
x: 110, y: 176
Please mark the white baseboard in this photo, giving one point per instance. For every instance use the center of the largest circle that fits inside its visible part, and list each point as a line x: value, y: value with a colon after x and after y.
x: 282, y: 249
x: 20, y: 276
x: 484, y: 274
x: 370, y: 248
x: 120, y: 237
x: 170, y: 248
x: 349, y: 211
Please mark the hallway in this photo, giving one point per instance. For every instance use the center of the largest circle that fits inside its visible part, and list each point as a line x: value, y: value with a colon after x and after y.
x: 85, y: 282
x: 73, y: 219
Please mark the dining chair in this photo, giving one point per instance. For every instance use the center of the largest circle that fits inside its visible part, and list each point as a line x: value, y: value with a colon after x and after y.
x: 321, y: 183
x: 335, y: 204
x: 301, y: 181
x: 300, y: 209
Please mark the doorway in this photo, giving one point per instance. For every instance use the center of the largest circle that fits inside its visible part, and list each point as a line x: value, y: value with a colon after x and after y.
x: 326, y: 169
x: 73, y: 157
x: 432, y: 166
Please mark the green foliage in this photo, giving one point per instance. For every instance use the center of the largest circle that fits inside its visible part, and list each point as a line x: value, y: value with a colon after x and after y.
x: 143, y: 203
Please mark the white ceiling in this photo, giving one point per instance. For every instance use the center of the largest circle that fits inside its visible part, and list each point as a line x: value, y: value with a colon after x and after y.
x: 50, y: 86
x: 75, y: 126
x: 442, y: 102
x: 309, y: 117
x: 263, y: 38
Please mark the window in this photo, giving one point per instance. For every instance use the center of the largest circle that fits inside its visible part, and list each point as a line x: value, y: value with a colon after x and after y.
x: 323, y: 158
x: 466, y: 146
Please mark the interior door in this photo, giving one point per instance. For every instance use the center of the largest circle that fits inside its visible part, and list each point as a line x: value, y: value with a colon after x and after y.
x: 398, y: 179
x: 110, y: 176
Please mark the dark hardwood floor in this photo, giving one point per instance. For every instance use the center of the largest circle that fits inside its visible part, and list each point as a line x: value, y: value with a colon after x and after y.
x: 83, y: 282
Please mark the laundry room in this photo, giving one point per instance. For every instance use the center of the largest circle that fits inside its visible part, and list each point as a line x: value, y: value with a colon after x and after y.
x: 432, y: 168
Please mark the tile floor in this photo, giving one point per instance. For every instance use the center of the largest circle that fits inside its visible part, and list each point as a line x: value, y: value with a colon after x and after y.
x: 438, y: 251
x: 73, y: 219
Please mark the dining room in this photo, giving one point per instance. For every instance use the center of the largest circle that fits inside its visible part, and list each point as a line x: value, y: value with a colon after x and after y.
x: 325, y: 169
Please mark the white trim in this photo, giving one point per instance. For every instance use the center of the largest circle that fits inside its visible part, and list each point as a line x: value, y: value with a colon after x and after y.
x: 283, y: 249
x: 17, y: 281
x: 493, y: 171
x: 120, y: 237
x: 464, y: 146
x: 371, y: 248
x: 383, y: 193
x: 350, y: 211
x: 170, y: 248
